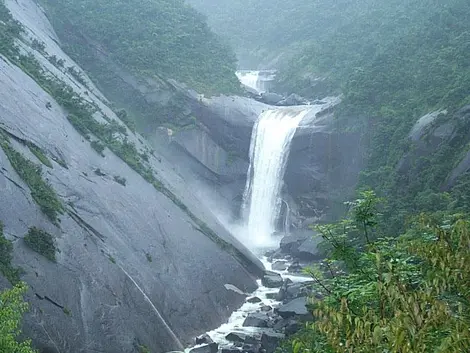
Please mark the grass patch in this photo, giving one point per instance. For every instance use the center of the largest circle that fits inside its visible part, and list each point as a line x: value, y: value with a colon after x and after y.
x: 98, y: 147
x: 41, y: 191
x: 39, y: 154
x: 11, y: 273
x: 120, y: 180
x: 41, y: 242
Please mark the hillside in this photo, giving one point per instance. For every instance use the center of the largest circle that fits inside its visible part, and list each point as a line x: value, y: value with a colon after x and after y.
x: 152, y: 37
x: 105, y: 233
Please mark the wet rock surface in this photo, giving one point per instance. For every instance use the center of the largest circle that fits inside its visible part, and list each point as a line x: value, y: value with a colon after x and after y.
x: 272, y: 279
x: 128, y: 255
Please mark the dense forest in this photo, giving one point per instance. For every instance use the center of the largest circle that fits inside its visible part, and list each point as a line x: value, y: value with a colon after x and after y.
x: 164, y: 38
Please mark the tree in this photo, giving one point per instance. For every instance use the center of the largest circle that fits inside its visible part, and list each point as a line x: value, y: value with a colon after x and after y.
x: 400, y: 295
x: 12, y: 308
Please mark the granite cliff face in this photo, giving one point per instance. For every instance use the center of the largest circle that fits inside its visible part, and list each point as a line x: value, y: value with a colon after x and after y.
x: 135, y: 265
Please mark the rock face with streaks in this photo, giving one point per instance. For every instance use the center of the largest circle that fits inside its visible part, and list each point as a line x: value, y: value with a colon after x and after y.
x: 128, y: 255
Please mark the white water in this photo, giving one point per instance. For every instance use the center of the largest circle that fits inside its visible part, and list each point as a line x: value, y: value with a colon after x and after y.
x: 269, y: 150
x: 250, y: 79
x: 235, y: 322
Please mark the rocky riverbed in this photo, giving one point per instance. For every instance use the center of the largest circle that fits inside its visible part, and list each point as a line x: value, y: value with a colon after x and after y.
x: 276, y: 309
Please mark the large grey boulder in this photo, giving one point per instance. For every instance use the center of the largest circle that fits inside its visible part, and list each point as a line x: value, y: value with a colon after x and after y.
x: 128, y: 255
x: 256, y: 320
x: 295, y: 308
x: 302, y: 245
x: 271, y: 98
x: 293, y: 99
x: 272, y: 279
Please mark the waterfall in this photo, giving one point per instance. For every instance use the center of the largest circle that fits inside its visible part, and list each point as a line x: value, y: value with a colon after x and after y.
x: 250, y: 79
x: 269, y: 150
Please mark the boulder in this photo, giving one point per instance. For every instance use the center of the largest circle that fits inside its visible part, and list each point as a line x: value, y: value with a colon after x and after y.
x: 230, y: 350
x: 256, y: 320
x: 254, y: 300
x: 294, y: 308
x: 266, y: 308
x: 279, y: 266
x: 290, y: 243
x: 205, y: 338
x: 270, y: 341
x: 205, y: 348
x: 302, y: 245
x: 287, y: 326
x: 271, y: 98
x: 293, y: 99
x: 271, y: 279
x: 241, y: 337
x: 251, y: 348
x: 295, y: 267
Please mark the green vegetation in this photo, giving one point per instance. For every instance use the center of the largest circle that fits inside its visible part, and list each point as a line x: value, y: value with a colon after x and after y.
x: 11, y: 273
x: 120, y: 180
x: 163, y: 38
x: 41, y: 242
x: 40, y: 155
x: 407, y: 294
x: 149, y: 257
x: 111, y: 259
x: 143, y: 349
x: 67, y: 311
x: 12, y: 309
x: 98, y: 147
x: 41, y: 191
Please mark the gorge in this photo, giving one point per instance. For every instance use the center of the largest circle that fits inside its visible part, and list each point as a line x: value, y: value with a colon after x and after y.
x: 155, y: 186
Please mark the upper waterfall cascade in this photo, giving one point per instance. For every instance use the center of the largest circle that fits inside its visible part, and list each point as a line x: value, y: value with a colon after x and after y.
x: 269, y: 150
x: 259, y: 81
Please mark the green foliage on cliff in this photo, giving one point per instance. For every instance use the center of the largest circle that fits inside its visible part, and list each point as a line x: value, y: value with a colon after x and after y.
x: 407, y: 294
x: 42, y: 242
x: 41, y: 191
x: 12, y: 308
x: 11, y: 273
x: 166, y: 38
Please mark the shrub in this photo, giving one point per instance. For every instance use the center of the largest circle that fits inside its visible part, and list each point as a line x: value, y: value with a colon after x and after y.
x: 41, y: 191
x: 6, y: 255
x: 40, y: 155
x: 120, y: 180
x: 98, y: 147
x: 41, y: 242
